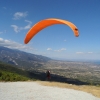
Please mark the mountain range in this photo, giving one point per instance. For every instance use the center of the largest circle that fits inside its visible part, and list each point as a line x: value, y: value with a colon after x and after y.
x: 21, y: 59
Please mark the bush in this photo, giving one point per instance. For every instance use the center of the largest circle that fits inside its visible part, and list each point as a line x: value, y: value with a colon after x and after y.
x: 8, y: 76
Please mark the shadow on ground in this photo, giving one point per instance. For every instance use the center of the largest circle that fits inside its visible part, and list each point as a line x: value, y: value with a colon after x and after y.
x: 56, y: 78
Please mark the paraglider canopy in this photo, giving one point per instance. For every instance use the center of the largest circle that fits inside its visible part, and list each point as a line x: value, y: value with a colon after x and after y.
x: 48, y: 22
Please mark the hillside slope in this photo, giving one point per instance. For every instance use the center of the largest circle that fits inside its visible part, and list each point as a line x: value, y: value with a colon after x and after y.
x: 21, y: 59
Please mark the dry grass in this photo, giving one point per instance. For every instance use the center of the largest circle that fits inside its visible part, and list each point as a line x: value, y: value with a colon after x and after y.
x: 94, y: 90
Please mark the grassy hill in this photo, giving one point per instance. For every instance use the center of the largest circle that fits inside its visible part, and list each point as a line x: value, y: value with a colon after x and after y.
x: 11, y: 73
x: 8, y: 76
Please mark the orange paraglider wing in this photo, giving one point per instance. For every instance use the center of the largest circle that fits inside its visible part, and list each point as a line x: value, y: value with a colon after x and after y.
x: 48, y: 22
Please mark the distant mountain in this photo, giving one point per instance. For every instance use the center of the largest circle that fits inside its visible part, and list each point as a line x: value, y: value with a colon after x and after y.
x: 21, y: 59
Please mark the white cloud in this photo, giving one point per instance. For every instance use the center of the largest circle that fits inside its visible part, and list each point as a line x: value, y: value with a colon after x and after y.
x: 79, y: 52
x: 90, y: 52
x: 62, y: 49
x: 18, y: 29
x: 15, y: 45
x: 19, y: 15
x: 57, y: 50
x: 1, y: 39
x: 29, y: 24
x: 49, y: 49
x: 3, y: 32
x: 84, y: 53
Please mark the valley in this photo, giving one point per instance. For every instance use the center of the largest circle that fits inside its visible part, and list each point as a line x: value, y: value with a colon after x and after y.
x: 63, y: 71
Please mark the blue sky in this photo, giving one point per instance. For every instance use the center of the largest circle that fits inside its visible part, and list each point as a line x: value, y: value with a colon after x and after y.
x: 57, y: 41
